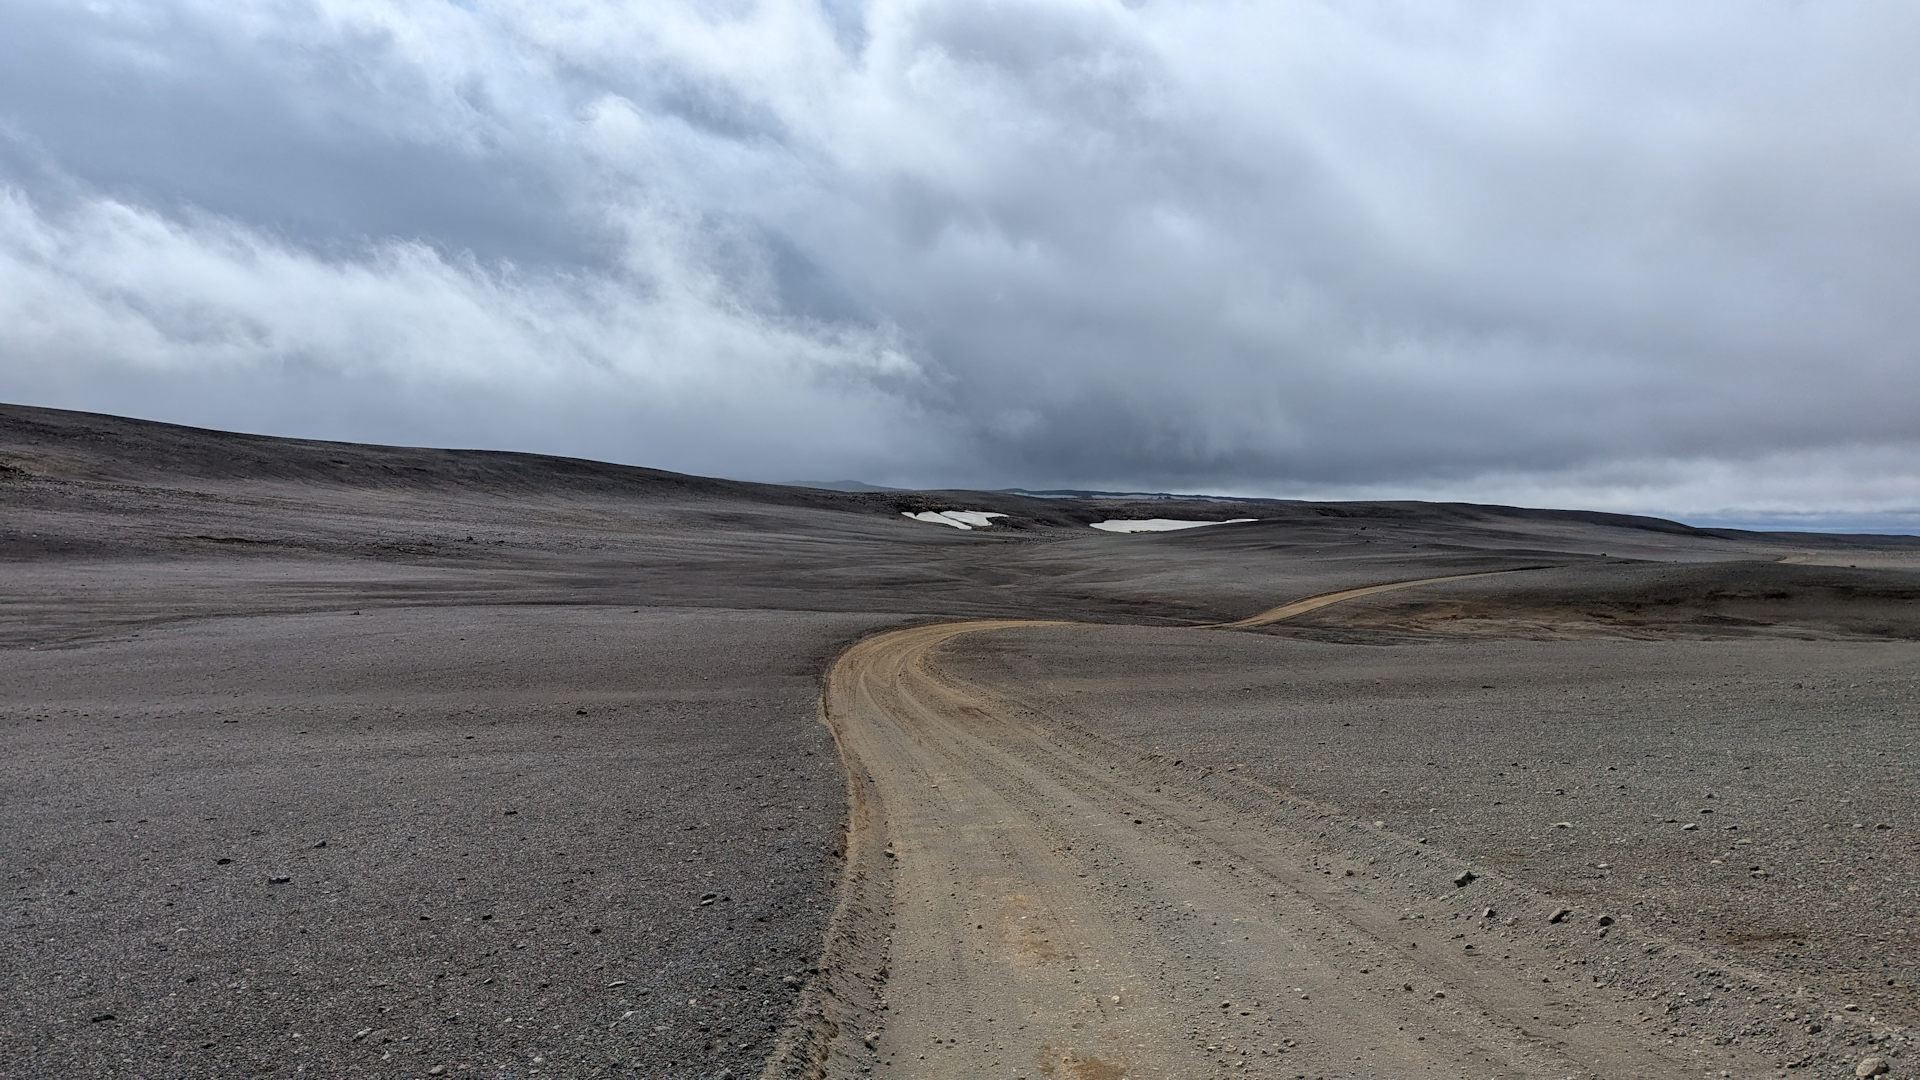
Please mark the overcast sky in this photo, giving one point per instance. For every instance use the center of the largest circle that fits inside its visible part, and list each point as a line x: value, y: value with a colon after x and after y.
x: 1644, y: 256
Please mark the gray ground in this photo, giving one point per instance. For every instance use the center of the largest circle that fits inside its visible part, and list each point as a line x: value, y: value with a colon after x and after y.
x: 216, y: 647
x: 1798, y: 764
x: 370, y: 844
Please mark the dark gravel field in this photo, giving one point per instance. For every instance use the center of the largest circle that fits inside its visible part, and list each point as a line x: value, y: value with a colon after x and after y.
x: 332, y: 760
x: 1758, y: 798
x: 565, y: 841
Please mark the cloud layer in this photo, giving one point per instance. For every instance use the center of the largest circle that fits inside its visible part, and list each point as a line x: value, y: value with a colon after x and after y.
x: 1648, y: 257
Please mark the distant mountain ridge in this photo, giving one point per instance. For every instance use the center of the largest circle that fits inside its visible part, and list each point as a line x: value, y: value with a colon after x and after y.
x: 65, y: 446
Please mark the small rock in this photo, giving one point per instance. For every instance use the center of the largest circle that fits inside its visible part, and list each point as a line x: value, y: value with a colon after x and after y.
x: 1872, y: 1066
x: 280, y: 880
x: 1488, y: 913
x: 437, y: 1070
x: 1465, y: 878
x: 1563, y: 824
x: 1691, y: 826
x: 616, y: 983
x: 104, y: 1017
x: 1606, y: 920
x: 1560, y: 915
x: 792, y: 981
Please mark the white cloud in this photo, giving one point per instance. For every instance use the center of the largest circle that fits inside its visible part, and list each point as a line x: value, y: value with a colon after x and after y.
x: 104, y: 290
x: 1646, y: 256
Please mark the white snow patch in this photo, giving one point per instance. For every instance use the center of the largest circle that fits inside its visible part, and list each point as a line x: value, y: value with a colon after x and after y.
x: 959, y: 519
x: 1159, y: 524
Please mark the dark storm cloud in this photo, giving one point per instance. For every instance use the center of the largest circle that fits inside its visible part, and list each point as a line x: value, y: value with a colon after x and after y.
x: 1638, y: 256
x: 172, y: 113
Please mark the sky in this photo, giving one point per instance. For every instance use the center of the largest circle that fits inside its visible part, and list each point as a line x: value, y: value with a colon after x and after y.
x: 1648, y: 257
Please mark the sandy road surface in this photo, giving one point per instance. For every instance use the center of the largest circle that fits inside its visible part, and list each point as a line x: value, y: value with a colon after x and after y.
x: 1315, y: 603
x: 1032, y: 900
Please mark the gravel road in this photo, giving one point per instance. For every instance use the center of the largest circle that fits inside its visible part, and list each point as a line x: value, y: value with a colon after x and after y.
x: 1034, y: 896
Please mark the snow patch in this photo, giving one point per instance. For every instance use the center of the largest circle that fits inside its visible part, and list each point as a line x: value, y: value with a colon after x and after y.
x: 959, y: 519
x: 1159, y: 524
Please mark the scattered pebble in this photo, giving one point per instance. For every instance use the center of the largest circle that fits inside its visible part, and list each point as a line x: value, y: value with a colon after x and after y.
x: 1872, y: 1066
x: 1465, y: 878
x: 1560, y: 915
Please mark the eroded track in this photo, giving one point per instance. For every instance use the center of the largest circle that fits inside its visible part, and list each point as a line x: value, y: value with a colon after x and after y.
x: 1027, y: 898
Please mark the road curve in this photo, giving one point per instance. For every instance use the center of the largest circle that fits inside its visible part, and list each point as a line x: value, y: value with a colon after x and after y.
x: 1025, y: 898
x: 1314, y: 603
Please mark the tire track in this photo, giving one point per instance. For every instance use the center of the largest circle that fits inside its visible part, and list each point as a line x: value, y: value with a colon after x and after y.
x: 1027, y: 900
x: 1315, y: 603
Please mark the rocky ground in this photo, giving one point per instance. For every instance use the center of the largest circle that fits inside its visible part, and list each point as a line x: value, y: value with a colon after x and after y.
x: 555, y: 724
x: 1751, y: 803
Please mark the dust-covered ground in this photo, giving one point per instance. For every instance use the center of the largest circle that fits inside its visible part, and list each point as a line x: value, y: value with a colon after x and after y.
x: 555, y: 724
x: 1758, y: 801
x: 373, y: 843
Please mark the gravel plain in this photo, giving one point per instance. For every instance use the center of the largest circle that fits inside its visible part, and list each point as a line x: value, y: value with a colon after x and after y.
x: 338, y: 760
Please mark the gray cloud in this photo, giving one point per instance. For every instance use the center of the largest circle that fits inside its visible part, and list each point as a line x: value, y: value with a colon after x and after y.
x: 1648, y: 257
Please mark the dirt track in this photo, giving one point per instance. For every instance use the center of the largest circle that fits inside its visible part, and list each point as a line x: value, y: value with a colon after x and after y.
x: 1324, y: 600
x: 1061, y: 906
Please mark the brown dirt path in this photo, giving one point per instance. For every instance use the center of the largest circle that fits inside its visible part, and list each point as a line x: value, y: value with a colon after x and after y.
x: 1315, y: 603
x: 1029, y: 901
